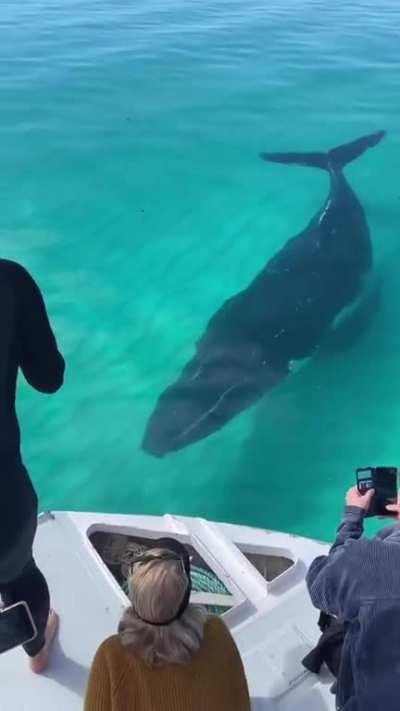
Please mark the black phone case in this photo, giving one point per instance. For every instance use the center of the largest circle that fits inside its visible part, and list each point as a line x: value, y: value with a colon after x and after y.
x: 380, y: 499
x: 15, y: 628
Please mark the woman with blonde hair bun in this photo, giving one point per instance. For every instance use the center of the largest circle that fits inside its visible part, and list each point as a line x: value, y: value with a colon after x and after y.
x: 168, y: 655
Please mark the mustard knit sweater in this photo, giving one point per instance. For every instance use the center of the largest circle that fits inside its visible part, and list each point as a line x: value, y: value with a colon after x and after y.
x: 213, y: 680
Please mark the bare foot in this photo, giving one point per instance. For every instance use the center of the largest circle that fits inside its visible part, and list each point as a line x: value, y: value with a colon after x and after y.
x: 39, y: 663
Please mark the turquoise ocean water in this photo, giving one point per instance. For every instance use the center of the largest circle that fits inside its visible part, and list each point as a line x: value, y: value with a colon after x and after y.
x: 132, y: 189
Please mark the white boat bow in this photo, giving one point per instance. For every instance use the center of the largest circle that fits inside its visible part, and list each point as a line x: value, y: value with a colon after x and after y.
x: 259, y: 588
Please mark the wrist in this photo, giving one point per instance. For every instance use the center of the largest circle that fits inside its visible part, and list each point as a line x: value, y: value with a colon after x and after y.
x: 354, y: 512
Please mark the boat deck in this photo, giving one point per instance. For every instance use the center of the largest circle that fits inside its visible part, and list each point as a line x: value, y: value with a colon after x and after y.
x: 273, y: 622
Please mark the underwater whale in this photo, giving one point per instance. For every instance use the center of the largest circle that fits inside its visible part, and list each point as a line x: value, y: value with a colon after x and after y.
x: 282, y: 316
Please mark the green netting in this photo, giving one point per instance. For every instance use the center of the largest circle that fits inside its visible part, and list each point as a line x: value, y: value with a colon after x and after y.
x: 206, y: 581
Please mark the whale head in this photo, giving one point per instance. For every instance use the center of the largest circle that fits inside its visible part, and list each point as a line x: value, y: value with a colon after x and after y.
x: 209, y: 392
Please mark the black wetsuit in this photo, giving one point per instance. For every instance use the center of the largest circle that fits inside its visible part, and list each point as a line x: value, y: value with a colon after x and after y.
x: 26, y: 342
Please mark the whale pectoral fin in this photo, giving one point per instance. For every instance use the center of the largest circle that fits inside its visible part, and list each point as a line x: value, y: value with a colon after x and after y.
x: 354, y: 322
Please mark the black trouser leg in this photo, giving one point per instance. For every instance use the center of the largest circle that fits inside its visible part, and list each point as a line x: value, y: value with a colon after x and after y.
x: 31, y: 587
x: 20, y: 579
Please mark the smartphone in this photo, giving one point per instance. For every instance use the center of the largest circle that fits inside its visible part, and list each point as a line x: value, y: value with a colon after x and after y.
x: 384, y: 481
x: 16, y: 626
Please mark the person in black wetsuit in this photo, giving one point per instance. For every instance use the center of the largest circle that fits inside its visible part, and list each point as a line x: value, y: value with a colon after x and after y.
x: 26, y: 342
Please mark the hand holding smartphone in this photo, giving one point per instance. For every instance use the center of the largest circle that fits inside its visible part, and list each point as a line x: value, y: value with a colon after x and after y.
x: 16, y: 626
x: 384, y: 481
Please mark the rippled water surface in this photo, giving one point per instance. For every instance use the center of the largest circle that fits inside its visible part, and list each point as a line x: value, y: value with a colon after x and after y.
x: 132, y: 189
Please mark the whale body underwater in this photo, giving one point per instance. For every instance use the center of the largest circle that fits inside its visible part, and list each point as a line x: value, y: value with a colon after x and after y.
x: 282, y: 316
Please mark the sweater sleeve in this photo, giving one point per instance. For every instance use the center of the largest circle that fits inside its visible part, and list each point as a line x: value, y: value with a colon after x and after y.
x: 239, y: 681
x: 330, y: 579
x: 41, y: 362
x: 237, y: 677
x: 98, y: 692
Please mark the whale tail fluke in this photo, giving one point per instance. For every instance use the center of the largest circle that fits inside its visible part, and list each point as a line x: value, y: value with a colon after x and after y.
x: 334, y: 159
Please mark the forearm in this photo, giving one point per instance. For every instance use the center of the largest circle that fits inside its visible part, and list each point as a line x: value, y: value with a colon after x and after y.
x: 327, y: 575
x: 352, y: 526
x: 40, y: 359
